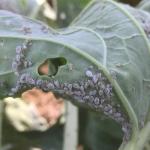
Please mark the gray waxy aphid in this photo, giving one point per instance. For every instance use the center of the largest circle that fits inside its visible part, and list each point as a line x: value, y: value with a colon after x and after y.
x: 76, y: 86
x: 110, y: 111
x: 18, y: 49
x: 14, y: 90
x: 18, y: 58
x: 86, y: 85
x: 68, y: 93
x: 96, y: 101
x: 29, y: 63
x: 66, y: 89
x: 24, y: 46
x: 30, y: 81
x: 24, y: 78
x: 91, y: 98
x: 39, y: 82
x: 106, y: 108
x: 82, y: 89
x: 56, y: 83
x: 86, y: 98
x: 91, y: 84
x: 95, y: 79
x: 89, y: 73
x: 78, y: 93
x: 70, y: 87
x: 117, y: 115
x: 25, y: 63
x: 102, y: 86
x: 50, y: 86
x: 14, y: 65
x: 100, y: 92
x: 92, y: 93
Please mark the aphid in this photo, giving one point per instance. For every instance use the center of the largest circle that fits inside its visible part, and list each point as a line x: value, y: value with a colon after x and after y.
x: 102, y: 86
x: 96, y: 101
x: 14, y: 90
x: 89, y: 74
x: 50, y: 86
x: 44, y: 29
x: 86, y: 85
x: 25, y: 64
x: 70, y: 87
x: 30, y: 81
x: 29, y: 63
x: 56, y: 83
x: 92, y: 93
x: 68, y: 93
x: 18, y: 58
x: 75, y: 86
x: 124, y: 129
x: 77, y: 93
x: 14, y: 65
x: 106, y: 108
x: 106, y: 113
x: 82, y: 89
x: 117, y: 115
x: 108, y: 90
x: 102, y: 101
x: 95, y: 78
x: 70, y: 67
x: 26, y: 30
x: 100, y: 92
x: 24, y: 46
x: 113, y: 74
x: 91, y: 84
x: 86, y: 98
x: 66, y: 89
x: 91, y: 99
x: 110, y: 111
x: 18, y: 49
x: 23, y: 78
x: 39, y: 82
x: 76, y: 97
x: 120, y: 119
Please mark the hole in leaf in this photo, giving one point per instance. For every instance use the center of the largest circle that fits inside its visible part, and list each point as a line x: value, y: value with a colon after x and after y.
x: 51, y: 65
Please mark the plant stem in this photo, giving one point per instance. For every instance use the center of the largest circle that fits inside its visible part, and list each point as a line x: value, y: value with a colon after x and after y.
x: 1, y: 118
x: 71, y: 128
x: 143, y: 137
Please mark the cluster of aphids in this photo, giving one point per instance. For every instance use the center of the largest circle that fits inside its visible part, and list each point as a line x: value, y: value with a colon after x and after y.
x: 20, y: 62
x: 94, y: 91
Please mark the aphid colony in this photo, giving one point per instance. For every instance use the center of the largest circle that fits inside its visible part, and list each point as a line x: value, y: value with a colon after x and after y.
x: 20, y: 61
x: 95, y: 91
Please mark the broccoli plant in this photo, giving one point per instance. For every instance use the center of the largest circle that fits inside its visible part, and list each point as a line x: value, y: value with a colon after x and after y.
x: 101, y: 62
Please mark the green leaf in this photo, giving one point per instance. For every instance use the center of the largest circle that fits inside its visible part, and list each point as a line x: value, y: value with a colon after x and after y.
x: 125, y: 41
x: 145, y: 5
x: 105, y: 36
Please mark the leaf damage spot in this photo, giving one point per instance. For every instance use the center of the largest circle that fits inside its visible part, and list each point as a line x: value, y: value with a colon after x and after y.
x: 51, y: 65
